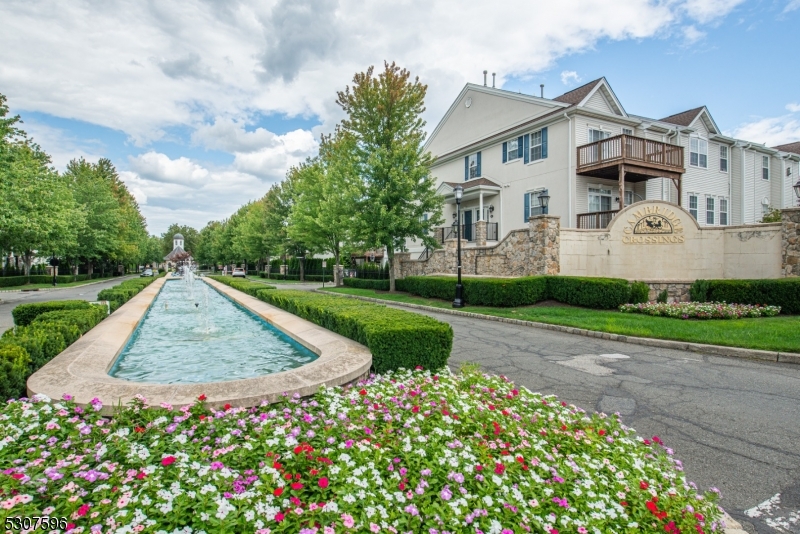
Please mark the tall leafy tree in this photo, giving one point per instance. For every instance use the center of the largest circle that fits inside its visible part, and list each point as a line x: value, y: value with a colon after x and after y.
x: 38, y: 214
x: 327, y: 191
x: 384, y: 118
x: 190, y: 238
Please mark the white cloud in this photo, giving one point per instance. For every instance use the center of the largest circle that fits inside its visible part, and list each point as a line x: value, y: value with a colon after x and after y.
x: 569, y: 77
x: 771, y: 131
x: 793, y: 107
x: 691, y: 35
x: 160, y: 168
x: 705, y: 11
x: 791, y: 6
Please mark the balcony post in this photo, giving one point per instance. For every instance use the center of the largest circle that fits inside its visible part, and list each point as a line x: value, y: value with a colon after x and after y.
x: 621, y: 187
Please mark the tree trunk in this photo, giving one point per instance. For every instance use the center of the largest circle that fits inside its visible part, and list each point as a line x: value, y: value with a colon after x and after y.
x: 302, y: 269
x: 390, y: 255
x: 27, y: 259
x: 89, y: 268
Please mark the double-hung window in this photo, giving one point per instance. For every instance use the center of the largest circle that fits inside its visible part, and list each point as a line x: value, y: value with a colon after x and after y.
x: 472, y: 166
x: 723, y: 158
x: 627, y: 131
x: 709, y: 210
x: 693, y: 206
x: 765, y: 167
x: 723, y: 211
x: 698, y: 152
x: 599, y: 199
x: 533, y: 204
x: 532, y: 146
x: 512, y: 150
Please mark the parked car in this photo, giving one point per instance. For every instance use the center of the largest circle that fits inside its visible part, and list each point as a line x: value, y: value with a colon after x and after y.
x: 238, y: 271
x: 147, y: 272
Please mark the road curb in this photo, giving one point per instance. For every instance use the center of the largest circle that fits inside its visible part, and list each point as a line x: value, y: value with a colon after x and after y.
x: 716, y: 350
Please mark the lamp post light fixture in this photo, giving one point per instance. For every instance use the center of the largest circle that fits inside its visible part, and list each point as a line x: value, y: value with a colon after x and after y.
x: 544, y: 201
x: 459, y: 300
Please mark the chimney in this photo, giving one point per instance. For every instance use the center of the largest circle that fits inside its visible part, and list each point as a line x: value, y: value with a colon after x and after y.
x: 484, y: 77
x: 541, y: 89
x: 493, y: 75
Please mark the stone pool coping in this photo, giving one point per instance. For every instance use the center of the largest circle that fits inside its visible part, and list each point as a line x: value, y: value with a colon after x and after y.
x: 82, y: 369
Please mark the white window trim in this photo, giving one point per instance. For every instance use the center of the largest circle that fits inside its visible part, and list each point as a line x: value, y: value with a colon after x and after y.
x: 532, y: 161
x: 699, y: 138
x: 713, y: 211
x: 727, y: 211
x: 727, y: 158
x: 516, y: 158
x: 689, y: 205
x: 768, y: 167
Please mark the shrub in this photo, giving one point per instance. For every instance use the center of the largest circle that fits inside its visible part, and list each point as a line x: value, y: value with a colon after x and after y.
x: 84, y: 319
x: 14, y: 370
x: 362, y: 283
x: 396, y: 338
x: 41, y: 343
x: 243, y: 285
x: 640, y: 292
x: 783, y: 292
x: 123, y: 292
x: 24, y: 314
x: 662, y: 297
x: 602, y: 293
x: 701, y: 310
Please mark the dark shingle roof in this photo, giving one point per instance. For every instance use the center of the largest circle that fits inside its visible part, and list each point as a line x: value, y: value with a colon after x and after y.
x: 790, y: 147
x: 575, y: 96
x: 473, y: 183
x: 684, y: 118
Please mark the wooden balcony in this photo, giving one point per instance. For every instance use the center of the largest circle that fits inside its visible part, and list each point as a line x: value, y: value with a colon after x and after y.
x: 596, y: 220
x: 642, y: 159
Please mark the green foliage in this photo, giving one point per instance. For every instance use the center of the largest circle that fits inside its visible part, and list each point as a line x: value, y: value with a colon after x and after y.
x: 83, y: 319
x: 191, y: 237
x: 245, y: 286
x: 396, y: 338
x: 13, y: 281
x: 783, y: 292
x: 661, y: 298
x: 773, y: 215
x: 604, y: 293
x: 41, y: 343
x: 366, y: 283
x: 122, y: 293
x: 14, y: 370
x: 640, y: 292
x: 24, y: 314
x: 384, y: 120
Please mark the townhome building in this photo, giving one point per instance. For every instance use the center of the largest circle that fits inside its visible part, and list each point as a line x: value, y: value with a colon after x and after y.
x: 583, y: 157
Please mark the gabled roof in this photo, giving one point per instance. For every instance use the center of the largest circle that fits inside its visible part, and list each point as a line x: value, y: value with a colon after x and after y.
x: 473, y: 183
x: 576, y: 96
x: 790, y: 147
x: 684, y: 118
x: 176, y: 252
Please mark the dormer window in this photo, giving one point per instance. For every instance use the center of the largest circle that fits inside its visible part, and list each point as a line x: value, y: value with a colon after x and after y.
x: 698, y: 152
x: 472, y: 166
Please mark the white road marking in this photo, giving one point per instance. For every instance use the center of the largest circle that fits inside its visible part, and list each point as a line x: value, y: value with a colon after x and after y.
x: 769, y: 511
x: 592, y: 363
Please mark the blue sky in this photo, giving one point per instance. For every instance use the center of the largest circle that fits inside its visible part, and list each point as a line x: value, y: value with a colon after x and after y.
x: 202, y: 106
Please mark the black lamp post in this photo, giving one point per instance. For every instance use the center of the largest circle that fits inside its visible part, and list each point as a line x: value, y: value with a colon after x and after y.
x: 544, y: 201
x: 459, y: 300
x: 796, y: 188
x: 54, y: 263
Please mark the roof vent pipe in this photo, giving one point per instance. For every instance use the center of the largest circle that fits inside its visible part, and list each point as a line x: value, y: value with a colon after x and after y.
x: 484, y: 77
x: 493, y: 75
x: 541, y: 90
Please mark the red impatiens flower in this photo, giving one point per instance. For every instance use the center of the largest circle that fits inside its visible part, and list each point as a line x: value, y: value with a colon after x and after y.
x: 139, y: 429
x: 415, y: 409
x: 141, y: 475
x: 168, y: 460
x: 279, y: 517
x: 83, y: 510
x: 226, y: 407
x: 601, y: 432
x: 277, y: 492
x: 362, y: 392
x: 323, y: 482
x: 644, y: 485
x: 297, y: 486
x: 202, y: 397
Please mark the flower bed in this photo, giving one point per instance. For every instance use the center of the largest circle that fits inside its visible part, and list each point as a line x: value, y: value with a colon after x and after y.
x: 701, y: 310
x: 404, y: 452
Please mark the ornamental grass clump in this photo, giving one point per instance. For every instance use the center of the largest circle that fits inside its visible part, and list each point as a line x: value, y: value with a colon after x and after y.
x: 404, y: 452
x: 701, y: 310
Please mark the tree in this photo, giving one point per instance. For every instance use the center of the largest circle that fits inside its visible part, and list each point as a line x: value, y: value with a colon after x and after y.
x: 327, y: 190
x: 190, y: 238
x: 37, y: 211
x: 384, y: 118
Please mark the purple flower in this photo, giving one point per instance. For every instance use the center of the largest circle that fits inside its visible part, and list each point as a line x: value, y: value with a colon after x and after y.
x: 446, y: 494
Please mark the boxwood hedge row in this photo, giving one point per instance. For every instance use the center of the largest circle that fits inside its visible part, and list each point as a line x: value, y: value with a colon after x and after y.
x: 396, y: 338
x: 245, y: 286
x: 24, y: 314
x: 783, y: 292
x: 122, y: 293
x: 604, y: 293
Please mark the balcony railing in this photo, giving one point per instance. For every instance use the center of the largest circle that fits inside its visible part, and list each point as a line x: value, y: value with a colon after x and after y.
x: 468, y: 232
x: 596, y: 220
x: 630, y: 149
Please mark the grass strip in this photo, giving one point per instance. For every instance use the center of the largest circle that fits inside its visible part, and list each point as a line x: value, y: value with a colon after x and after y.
x: 766, y: 333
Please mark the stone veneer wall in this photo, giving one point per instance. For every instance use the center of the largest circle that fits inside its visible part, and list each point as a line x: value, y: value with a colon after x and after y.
x: 521, y: 253
x: 790, y: 241
x: 676, y: 291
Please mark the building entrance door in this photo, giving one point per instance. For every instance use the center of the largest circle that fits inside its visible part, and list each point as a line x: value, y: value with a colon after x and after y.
x: 467, y: 225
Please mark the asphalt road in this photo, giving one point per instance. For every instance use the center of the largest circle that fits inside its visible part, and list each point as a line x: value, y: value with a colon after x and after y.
x: 734, y: 423
x: 10, y: 299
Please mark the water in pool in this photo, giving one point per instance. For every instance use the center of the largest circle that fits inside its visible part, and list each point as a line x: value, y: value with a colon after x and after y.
x: 192, y: 333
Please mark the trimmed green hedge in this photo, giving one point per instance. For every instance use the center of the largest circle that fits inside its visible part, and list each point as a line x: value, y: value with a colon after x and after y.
x: 243, y: 285
x: 24, y: 314
x: 122, y: 293
x: 603, y: 293
x: 84, y: 319
x: 366, y: 283
x: 14, y: 370
x: 783, y: 292
x: 396, y: 338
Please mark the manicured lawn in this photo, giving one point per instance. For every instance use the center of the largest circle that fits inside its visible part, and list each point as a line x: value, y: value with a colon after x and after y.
x: 771, y: 333
x: 273, y: 281
x: 45, y: 286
